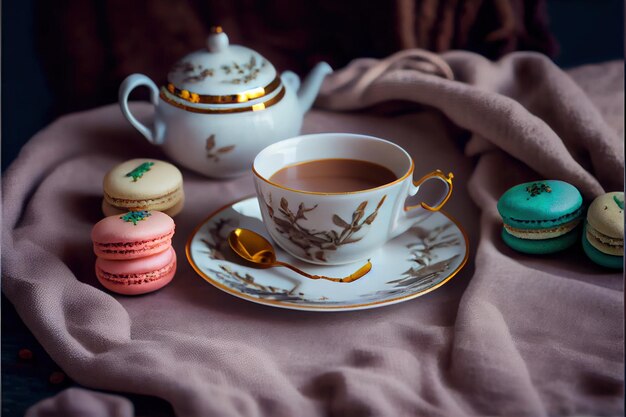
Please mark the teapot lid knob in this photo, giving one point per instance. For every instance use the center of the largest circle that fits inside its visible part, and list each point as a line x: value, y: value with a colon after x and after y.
x: 218, y: 40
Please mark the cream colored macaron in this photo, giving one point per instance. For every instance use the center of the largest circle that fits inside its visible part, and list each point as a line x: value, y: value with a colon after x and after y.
x: 143, y: 184
x: 605, y: 223
x: 109, y: 210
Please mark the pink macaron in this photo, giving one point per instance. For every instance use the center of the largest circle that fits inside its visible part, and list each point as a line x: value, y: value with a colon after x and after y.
x: 137, y: 276
x: 132, y: 235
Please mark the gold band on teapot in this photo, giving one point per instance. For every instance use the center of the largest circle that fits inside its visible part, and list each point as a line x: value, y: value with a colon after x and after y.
x: 242, y: 97
x: 254, y: 107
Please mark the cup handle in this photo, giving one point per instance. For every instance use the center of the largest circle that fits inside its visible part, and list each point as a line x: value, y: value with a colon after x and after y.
x: 156, y: 134
x: 409, y: 216
x: 437, y: 174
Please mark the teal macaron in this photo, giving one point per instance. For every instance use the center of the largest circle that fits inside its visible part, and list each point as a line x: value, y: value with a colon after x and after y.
x: 603, y: 236
x: 541, y: 217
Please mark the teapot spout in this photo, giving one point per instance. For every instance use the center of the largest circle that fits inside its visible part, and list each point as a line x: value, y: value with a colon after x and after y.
x: 311, y: 86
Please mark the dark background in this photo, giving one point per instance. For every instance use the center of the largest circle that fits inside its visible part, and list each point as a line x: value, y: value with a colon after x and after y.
x: 587, y: 31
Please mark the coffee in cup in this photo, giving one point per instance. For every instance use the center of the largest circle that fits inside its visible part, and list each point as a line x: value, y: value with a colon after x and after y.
x: 333, y: 175
x: 335, y: 198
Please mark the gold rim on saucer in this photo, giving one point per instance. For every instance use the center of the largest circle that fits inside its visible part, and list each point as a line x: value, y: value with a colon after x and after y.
x: 310, y: 307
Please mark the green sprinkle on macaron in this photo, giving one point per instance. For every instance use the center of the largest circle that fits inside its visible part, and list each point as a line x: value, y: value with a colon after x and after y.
x: 537, y: 188
x: 140, y: 170
x: 135, y: 216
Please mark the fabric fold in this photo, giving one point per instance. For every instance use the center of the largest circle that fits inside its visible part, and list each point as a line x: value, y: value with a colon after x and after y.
x: 511, y: 334
x: 523, y: 104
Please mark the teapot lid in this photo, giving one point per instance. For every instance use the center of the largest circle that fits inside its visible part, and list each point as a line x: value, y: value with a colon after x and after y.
x: 222, y: 70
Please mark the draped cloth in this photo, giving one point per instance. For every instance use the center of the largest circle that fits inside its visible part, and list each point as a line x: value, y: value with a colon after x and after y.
x: 512, y: 334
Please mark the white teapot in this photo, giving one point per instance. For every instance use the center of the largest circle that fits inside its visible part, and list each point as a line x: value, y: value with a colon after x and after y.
x: 222, y: 105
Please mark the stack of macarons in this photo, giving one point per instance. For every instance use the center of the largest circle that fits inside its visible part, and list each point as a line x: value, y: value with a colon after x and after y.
x: 603, y: 238
x: 134, y: 251
x: 541, y: 217
x: 143, y: 184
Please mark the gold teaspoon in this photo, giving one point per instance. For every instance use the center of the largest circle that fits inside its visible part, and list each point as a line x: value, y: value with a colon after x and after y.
x: 253, y: 247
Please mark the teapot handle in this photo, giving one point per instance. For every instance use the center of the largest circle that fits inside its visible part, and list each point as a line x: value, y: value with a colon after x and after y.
x: 157, y: 133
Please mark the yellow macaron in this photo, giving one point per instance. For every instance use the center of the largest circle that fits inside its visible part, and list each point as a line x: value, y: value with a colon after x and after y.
x: 603, y: 239
x: 143, y: 184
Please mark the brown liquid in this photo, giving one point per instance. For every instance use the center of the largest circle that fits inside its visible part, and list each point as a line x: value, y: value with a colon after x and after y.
x: 333, y: 176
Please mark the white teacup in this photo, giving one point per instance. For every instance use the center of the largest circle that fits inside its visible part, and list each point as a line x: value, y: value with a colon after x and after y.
x: 330, y: 228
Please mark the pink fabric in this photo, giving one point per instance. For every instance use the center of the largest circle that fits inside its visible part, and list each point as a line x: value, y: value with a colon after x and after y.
x: 511, y: 335
x: 83, y: 403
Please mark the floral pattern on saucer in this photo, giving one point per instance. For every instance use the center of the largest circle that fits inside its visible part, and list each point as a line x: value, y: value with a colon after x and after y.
x: 414, y: 263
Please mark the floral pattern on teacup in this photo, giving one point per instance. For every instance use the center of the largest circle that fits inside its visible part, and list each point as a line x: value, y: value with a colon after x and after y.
x: 315, y: 243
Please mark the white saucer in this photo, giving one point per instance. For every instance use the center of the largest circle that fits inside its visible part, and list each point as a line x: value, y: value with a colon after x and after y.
x: 416, y: 262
